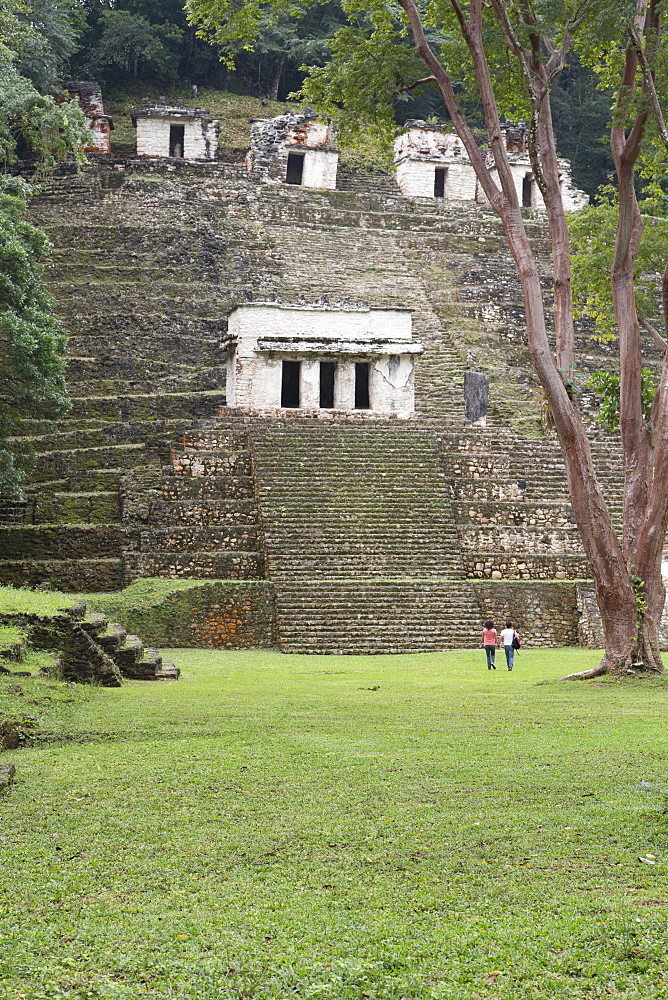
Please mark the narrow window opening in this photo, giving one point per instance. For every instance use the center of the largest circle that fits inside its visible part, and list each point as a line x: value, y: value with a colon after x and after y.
x: 527, y: 184
x: 176, y: 137
x: 439, y: 182
x: 290, y: 384
x: 295, y: 168
x: 327, y: 385
x: 362, y: 385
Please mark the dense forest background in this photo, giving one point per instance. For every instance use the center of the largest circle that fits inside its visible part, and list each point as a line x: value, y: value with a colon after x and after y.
x: 126, y: 43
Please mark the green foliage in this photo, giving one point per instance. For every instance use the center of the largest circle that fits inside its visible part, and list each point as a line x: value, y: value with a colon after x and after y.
x: 581, y: 116
x: 32, y: 339
x: 131, y: 42
x: 356, y: 87
x: 592, y: 232
x: 638, y: 585
x: 606, y: 385
x: 49, y: 38
x: 279, y: 826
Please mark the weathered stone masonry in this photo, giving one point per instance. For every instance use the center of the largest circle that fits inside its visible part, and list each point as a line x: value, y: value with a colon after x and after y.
x: 372, y: 550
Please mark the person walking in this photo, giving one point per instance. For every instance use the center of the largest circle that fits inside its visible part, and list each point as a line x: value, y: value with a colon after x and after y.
x: 507, y: 636
x: 489, y: 643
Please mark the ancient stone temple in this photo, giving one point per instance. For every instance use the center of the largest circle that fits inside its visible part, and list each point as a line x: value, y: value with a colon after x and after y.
x: 311, y: 517
x: 175, y: 131
x: 432, y: 163
x: 309, y: 358
x: 89, y: 96
x: 293, y: 149
x: 528, y: 192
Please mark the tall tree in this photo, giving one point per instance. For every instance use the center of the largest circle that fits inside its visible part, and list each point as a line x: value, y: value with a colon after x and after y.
x: 32, y: 339
x: 510, y: 52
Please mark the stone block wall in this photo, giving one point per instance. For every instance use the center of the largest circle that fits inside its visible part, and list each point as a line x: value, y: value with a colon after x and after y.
x: 200, y: 137
x: 212, y: 615
x: 544, y: 614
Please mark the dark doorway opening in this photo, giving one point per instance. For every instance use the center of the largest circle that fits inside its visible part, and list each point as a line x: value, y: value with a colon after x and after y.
x: 439, y: 182
x: 327, y: 385
x: 361, y: 385
x: 295, y: 170
x: 176, y: 138
x: 290, y: 384
x: 527, y: 184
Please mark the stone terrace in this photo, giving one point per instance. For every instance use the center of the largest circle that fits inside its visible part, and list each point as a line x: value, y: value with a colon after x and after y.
x: 147, y: 261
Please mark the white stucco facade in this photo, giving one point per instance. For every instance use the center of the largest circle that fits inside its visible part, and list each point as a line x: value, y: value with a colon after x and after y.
x: 262, y: 337
x: 421, y: 151
x: 320, y: 168
x: 181, y: 133
x: 528, y: 192
x: 293, y: 149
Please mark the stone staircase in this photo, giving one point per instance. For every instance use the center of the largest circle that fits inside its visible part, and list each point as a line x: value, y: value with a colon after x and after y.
x: 92, y: 649
x: 147, y: 261
x: 202, y: 520
x: 360, y: 539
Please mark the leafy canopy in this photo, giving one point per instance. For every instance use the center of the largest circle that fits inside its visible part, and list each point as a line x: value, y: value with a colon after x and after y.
x: 32, y: 339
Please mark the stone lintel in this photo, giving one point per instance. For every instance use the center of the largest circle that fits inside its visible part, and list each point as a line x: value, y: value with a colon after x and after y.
x: 326, y: 346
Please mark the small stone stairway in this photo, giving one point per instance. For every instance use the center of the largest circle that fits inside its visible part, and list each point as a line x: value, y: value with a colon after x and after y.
x: 203, y: 520
x: 360, y: 538
x: 92, y: 649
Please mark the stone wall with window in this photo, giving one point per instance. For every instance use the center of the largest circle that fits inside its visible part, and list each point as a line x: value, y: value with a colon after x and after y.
x: 306, y: 358
x: 177, y: 132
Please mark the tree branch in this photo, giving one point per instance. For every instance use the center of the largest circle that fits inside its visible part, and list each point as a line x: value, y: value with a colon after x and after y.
x: 654, y: 333
x: 445, y: 85
x: 412, y: 86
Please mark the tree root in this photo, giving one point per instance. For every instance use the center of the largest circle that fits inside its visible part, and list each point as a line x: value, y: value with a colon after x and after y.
x: 585, y: 675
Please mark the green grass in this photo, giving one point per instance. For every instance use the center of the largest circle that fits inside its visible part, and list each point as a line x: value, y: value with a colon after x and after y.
x: 373, y: 828
x: 20, y: 600
x: 146, y: 592
x: 9, y: 634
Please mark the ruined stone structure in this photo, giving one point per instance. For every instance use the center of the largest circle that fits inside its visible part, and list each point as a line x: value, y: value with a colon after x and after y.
x: 89, y: 96
x: 293, y: 149
x: 178, y: 132
x: 306, y: 358
x: 432, y: 163
x: 360, y: 533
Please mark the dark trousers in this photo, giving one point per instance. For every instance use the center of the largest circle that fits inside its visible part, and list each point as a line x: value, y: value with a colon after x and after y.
x: 490, y: 651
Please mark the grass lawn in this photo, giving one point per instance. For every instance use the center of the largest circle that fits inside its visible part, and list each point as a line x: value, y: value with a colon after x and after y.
x: 374, y: 828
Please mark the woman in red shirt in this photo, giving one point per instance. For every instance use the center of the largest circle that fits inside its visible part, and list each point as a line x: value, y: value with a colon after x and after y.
x: 489, y: 643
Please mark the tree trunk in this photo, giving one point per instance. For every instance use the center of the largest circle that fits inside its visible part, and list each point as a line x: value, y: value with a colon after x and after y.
x: 277, y: 78
x: 627, y: 574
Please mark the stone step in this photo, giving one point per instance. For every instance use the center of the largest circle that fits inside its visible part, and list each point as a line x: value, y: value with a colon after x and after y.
x: 70, y: 575
x: 164, y: 513
x: 96, y: 507
x: 201, y: 538
x: 112, y: 639
x: 102, y: 541
x: 148, y: 406
x: 362, y: 615
x: 195, y: 565
x: 54, y: 464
